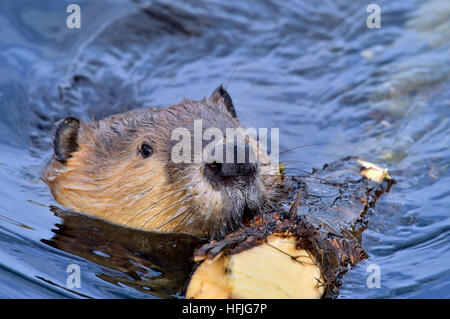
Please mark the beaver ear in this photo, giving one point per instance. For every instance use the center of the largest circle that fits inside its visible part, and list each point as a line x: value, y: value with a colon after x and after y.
x: 220, y: 95
x: 66, y: 138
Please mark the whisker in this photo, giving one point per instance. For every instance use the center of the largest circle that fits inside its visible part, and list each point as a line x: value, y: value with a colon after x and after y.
x: 297, y: 169
x: 296, y: 147
x: 327, y: 181
x: 178, y: 190
x: 333, y: 182
x: 316, y: 177
x: 300, y: 162
x: 231, y: 76
x: 170, y: 206
x: 173, y: 218
x: 188, y: 215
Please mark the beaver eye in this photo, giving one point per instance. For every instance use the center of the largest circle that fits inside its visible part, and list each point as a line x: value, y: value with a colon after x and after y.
x: 146, y: 150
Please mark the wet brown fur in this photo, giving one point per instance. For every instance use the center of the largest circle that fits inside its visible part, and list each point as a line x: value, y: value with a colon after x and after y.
x: 107, y: 178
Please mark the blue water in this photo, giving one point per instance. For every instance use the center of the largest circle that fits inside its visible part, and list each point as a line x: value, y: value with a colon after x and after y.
x: 313, y: 69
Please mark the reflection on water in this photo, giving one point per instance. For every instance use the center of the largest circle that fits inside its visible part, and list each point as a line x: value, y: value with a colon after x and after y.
x: 312, y: 69
x: 153, y: 263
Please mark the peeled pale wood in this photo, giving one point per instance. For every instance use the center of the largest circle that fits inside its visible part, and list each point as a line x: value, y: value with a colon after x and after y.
x: 251, y: 273
x: 301, y: 252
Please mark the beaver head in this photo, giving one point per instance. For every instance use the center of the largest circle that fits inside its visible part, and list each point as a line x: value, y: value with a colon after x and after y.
x: 127, y: 169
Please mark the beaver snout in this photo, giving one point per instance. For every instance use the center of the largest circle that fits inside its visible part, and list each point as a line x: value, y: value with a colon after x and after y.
x: 238, y: 160
x: 232, y: 169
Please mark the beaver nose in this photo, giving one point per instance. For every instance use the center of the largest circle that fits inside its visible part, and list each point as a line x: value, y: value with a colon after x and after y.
x: 232, y: 169
x: 237, y: 169
x: 237, y: 165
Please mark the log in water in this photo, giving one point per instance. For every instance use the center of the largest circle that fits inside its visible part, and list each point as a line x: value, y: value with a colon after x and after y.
x: 303, y: 250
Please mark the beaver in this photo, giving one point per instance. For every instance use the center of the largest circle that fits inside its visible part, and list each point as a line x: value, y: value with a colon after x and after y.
x: 121, y: 169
